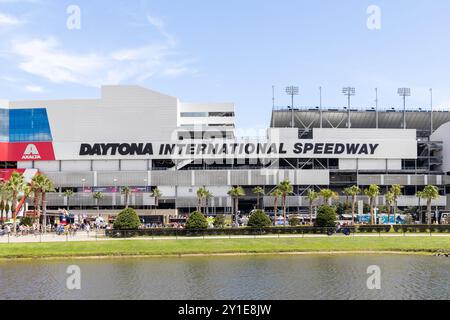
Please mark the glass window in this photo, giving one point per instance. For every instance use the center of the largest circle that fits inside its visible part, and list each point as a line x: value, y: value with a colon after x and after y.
x: 194, y: 114
x: 24, y: 125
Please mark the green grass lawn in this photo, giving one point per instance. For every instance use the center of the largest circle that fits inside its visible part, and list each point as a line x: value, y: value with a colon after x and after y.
x: 216, y: 246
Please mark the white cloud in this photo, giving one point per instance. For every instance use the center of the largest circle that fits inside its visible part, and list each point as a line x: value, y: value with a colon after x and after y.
x: 10, y: 20
x: 161, y: 27
x: 48, y: 59
x: 34, y: 89
x: 45, y: 58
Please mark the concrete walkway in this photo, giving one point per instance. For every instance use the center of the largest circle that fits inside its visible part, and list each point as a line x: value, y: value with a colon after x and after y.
x: 99, y: 236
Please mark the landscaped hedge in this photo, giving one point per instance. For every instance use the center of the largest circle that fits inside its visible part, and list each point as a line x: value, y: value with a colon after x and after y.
x: 373, y: 228
x: 167, y: 232
x: 414, y: 228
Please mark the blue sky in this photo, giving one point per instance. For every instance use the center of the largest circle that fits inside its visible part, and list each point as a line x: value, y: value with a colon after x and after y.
x: 228, y: 51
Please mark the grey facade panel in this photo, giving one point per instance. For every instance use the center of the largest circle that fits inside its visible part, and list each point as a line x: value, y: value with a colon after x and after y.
x: 211, y: 178
x: 124, y: 178
x: 71, y: 179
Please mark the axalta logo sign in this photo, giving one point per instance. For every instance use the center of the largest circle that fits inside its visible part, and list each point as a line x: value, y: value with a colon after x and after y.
x: 31, y: 153
x: 26, y: 151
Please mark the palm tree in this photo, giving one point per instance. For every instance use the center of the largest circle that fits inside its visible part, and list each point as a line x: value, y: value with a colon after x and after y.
x: 98, y: 196
x: 286, y: 189
x: 327, y: 195
x: 259, y: 192
x: 201, y: 194
x: 429, y: 193
x: 208, y: 195
x: 347, y: 193
x: 4, y: 197
x: 68, y: 193
x: 312, y: 197
x: 390, y: 200
x: 126, y: 191
x: 15, y: 185
x: 276, y: 194
x: 46, y: 186
x: 235, y: 193
x: 36, y: 185
x: 396, y: 190
x: 353, y: 192
x: 372, y: 193
x: 156, y: 193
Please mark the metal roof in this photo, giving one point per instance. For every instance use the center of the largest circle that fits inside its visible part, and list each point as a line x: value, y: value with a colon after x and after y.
x: 335, y: 118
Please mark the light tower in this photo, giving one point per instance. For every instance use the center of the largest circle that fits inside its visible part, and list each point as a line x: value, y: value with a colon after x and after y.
x: 404, y: 92
x: 292, y: 91
x: 349, y: 92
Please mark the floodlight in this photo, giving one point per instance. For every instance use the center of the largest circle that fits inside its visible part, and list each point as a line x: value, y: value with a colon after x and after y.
x: 404, y: 92
x: 349, y: 91
x: 292, y: 90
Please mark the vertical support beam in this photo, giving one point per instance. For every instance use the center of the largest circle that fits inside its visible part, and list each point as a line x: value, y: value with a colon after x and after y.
x: 404, y: 112
x: 431, y: 113
x: 376, y: 108
x: 320, y: 108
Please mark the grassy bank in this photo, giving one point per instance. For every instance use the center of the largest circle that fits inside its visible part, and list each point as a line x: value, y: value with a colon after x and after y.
x: 180, y: 247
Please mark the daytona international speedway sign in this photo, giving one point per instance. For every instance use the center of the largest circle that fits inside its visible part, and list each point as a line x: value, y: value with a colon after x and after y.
x: 227, y: 149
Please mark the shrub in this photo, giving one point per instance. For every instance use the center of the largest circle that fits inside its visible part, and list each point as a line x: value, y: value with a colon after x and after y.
x: 27, y: 221
x: 326, y: 217
x: 293, y: 222
x: 219, y: 221
x: 197, y: 221
x: 259, y: 219
x: 127, y: 220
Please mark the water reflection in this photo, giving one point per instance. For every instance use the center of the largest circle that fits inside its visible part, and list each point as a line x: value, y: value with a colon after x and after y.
x: 248, y: 277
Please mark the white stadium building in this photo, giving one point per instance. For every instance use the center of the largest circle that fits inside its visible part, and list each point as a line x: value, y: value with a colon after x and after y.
x: 143, y: 139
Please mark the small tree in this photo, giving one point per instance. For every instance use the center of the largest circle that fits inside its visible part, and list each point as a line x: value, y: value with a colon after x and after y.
x: 68, y: 193
x: 429, y: 193
x: 390, y: 199
x: 259, y: 219
x: 396, y: 190
x: 235, y: 193
x: 312, y: 197
x: 128, y: 219
x: 372, y: 193
x: 126, y: 191
x: 327, y: 195
x: 157, y: 194
x: 197, y: 221
x: 353, y: 192
x: 219, y: 221
x: 15, y: 185
x: 259, y: 192
x: 276, y: 194
x: 326, y: 216
x: 98, y: 196
x: 27, y: 221
x: 286, y: 188
x: 294, y: 221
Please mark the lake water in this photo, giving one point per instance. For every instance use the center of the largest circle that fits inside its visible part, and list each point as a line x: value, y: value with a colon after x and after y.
x: 244, y: 277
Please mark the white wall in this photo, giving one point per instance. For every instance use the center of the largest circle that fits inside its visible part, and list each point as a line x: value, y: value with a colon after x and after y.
x: 105, y: 165
x: 124, y: 113
x: 75, y: 165
x: 47, y: 166
x: 134, y: 165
